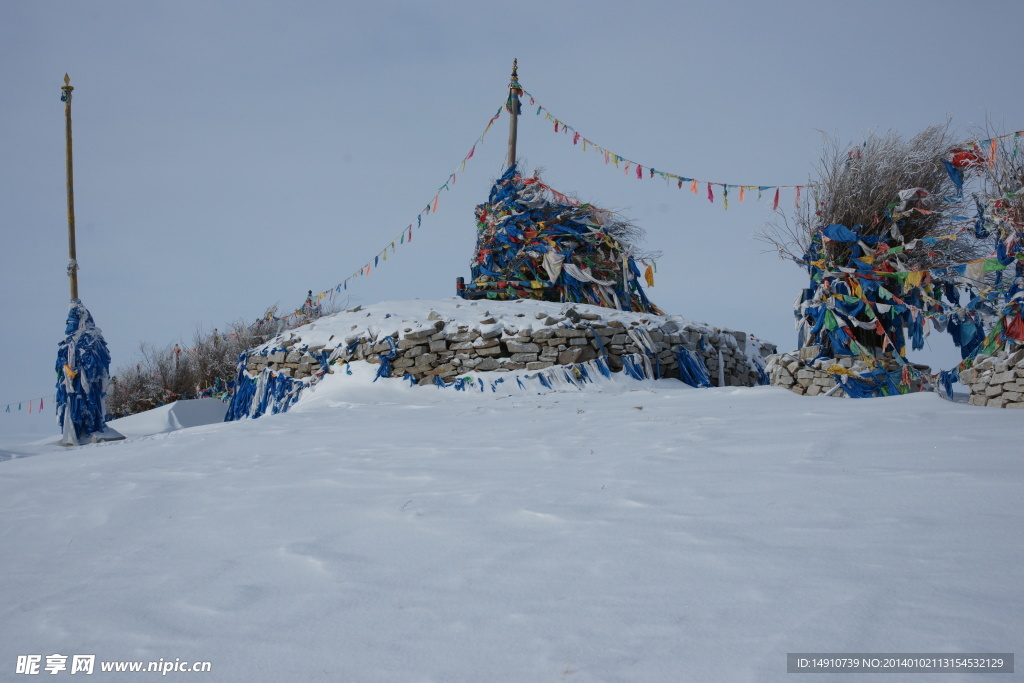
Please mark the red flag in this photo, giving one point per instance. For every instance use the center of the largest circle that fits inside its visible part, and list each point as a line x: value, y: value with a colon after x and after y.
x: 556, y: 126
x: 470, y: 155
x: 639, y: 171
x: 775, y: 204
x: 575, y: 138
x: 680, y: 183
x: 711, y: 195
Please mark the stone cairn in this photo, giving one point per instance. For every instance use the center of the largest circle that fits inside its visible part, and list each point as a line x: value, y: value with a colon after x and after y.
x: 448, y: 350
x: 802, y: 372
x: 996, y: 381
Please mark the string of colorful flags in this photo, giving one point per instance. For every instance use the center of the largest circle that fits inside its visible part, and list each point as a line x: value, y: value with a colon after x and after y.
x: 406, y: 234
x: 29, y: 404
x: 630, y: 166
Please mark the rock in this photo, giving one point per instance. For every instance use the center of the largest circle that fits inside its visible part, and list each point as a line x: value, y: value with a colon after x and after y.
x: 425, y: 332
x: 1003, y: 377
x: 808, y: 352
x: 439, y: 345
x: 520, y: 347
x: 524, y: 357
x: 570, y: 356
x: 487, y: 364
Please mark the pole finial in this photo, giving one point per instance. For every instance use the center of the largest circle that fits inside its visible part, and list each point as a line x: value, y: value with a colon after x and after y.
x: 515, y: 69
x: 67, y: 79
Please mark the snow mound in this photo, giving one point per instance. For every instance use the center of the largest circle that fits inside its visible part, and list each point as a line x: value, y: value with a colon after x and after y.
x: 172, y: 417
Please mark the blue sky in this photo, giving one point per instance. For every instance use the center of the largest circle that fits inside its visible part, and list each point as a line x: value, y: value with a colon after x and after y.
x: 233, y: 155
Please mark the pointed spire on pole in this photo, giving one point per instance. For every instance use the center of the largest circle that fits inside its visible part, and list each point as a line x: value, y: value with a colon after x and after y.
x: 514, y: 91
x: 72, y: 258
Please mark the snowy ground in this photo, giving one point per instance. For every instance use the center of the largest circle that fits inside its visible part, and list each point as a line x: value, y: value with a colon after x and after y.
x: 637, y: 531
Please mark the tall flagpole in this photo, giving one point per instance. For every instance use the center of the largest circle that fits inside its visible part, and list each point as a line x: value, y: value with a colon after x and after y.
x: 72, y: 258
x: 514, y: 91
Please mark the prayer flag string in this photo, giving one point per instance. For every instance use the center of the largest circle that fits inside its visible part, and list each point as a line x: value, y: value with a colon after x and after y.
x: 607, y: 155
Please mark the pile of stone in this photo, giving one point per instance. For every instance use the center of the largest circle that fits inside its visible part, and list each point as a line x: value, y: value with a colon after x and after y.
x: 802, y: 372
x: 449, y: 349
x: 996, y: 381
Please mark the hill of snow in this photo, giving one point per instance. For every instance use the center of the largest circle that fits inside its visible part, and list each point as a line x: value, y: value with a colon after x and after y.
x: 635, y: 531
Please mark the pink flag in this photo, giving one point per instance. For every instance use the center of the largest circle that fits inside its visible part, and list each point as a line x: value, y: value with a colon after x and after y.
x: 711, y: 195
x: 575, y: 138
x: 471, y: 152
x: 639, y: 172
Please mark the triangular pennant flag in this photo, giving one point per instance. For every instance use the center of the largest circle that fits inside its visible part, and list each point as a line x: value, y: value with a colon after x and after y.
x: 436, y: 197
x: 471, y: 152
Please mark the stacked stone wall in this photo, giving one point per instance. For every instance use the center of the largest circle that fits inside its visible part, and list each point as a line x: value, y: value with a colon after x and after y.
x: 447, y: 349
x: 996, y: 381
x: 802, y: 372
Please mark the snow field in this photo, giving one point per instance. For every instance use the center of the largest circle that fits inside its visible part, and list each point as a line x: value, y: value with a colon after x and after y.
x: 635, y: 531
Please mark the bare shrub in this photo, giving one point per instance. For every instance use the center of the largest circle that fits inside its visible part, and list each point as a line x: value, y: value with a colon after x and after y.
x: 206, y: 366
x: 859, y: 186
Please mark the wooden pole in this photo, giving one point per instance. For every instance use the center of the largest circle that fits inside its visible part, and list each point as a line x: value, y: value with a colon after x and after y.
x: 514, y: 91
x: 72, y: 258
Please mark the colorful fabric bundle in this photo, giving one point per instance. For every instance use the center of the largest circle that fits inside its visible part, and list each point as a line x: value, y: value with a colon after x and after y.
x: 536, y: 243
